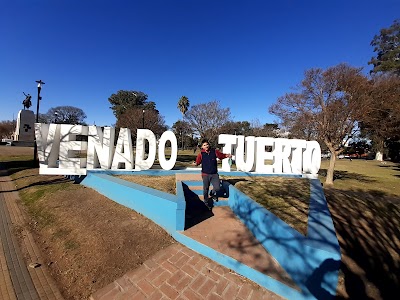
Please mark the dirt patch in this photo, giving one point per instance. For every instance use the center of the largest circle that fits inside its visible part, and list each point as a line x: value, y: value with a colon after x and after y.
x: 10, y: 151
x: 86, y: 239
x: 162, y: 183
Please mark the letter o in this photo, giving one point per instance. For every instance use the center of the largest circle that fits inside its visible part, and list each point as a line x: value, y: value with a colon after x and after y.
x: 164, y: 163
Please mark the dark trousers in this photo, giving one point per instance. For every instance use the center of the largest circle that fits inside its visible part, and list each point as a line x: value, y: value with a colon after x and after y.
x: 207, y: 179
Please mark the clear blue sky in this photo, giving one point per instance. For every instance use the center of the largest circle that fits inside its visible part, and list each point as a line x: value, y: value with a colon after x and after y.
x: 243, y: 53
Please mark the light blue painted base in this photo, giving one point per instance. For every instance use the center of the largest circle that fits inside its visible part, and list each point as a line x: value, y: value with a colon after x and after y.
x: 312, y: 261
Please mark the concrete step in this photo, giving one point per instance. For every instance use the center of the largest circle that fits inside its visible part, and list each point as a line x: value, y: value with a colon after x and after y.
x: 188, y: 177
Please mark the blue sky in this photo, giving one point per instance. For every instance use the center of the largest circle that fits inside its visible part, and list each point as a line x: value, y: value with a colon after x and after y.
x: 244, y: 54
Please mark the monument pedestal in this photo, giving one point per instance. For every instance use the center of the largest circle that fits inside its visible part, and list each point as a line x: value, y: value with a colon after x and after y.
x: 25, y: 129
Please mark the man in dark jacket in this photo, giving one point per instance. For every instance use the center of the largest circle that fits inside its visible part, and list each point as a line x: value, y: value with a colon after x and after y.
x: 209, y: 171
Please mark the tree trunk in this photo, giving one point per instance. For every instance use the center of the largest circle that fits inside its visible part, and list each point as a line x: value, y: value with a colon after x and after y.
x: 331, y: 168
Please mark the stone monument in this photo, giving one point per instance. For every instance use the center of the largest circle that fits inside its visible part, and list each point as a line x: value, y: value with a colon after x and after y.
x: 25, y: 129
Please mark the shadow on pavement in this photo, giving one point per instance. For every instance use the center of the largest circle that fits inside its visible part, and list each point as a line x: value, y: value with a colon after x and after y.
x: 196, y: 211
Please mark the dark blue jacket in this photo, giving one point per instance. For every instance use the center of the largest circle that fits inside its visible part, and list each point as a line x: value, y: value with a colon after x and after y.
x: 208, y: 160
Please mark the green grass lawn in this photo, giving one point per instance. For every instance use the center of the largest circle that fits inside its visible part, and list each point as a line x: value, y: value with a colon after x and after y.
x: 365, y: 175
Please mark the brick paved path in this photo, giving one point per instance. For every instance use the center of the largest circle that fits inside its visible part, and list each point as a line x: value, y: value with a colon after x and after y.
x: 17, y: 280
x: 180, y: 273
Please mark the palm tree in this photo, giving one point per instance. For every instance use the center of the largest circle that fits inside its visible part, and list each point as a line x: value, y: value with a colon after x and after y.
x: 183, y: 106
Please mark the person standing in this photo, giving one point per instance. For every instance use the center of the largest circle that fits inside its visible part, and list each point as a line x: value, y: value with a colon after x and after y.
x: 209, y: 171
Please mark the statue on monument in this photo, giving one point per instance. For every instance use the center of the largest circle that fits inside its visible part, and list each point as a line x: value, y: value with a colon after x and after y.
x: 27, y: 102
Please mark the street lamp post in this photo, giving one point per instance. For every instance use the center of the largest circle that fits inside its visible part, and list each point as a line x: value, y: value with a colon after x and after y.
x: 143, y: 119
x: 39, y: 87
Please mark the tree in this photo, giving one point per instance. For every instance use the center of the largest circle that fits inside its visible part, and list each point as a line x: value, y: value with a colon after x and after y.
x: 64, y: 115
x: 205, y: 119
x: 7, y: 129
x: 327, y: 107
x: 268, y: 129
x: 387, y: 48
x: 183, y: 133
x: 382, y: 124
x: 237, y: 128
x: 133, y: 118
x: 125, y: 100
x: 183, y: 105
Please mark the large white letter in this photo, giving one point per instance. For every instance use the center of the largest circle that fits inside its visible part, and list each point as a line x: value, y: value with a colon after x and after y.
x: 100, y: 147
x: 167, y: 164
x: 142, y: 135
x: 245, y: 153
x: 312, y: 158
x: 281, y: 153
x: 48, y: 146
x: 263, y: 155
x: 229, y: 140
x: 297, y: 155
x: 123, y: 156
x: 71, y: 148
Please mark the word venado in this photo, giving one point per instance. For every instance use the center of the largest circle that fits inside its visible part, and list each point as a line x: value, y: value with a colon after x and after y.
x: 65, y: 149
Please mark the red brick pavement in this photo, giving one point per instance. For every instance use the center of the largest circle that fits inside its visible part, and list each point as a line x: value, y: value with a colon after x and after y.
x: 180, y: 273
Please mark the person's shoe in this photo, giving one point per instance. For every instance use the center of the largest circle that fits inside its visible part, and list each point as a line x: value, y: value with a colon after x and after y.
x: 206, y: 204
x: 214, y: 197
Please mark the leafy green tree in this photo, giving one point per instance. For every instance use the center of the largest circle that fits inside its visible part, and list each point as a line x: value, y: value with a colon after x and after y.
x: 326, y: 107
x: 387, y: 48
x: 125, y: 100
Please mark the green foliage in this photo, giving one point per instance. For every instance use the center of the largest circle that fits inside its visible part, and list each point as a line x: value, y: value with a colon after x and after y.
x: 387, y: 48
x: 183, y: 105
x: 125, y: 100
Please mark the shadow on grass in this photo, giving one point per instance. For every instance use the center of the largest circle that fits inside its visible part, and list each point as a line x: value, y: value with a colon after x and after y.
x: 41, y: 183
x: 236, y: 180
x: 186, y: 158
x: 367, y: 225
x: 15, y: 166
x: 341, y: 175
x: 393, y: 167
